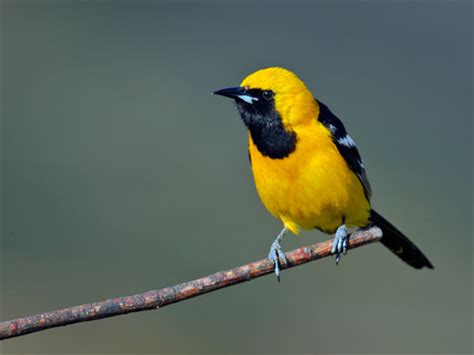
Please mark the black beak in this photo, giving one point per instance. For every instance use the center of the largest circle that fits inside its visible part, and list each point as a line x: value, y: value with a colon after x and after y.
x: 233, y: 92
x: 237, y: 93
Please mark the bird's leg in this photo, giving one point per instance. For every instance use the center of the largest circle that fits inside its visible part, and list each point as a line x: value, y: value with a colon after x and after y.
x: 277, y: 254
x: 339, y: 245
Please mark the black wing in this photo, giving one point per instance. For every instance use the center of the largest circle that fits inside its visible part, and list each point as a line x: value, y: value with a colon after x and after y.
x: 345, y: 145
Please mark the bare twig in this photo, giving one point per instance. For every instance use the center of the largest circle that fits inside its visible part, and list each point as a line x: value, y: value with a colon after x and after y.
x: 160, y: 298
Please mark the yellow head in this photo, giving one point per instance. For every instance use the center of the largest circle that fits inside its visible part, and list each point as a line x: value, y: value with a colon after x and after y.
x: 273, y: 103
x: 293, y: 100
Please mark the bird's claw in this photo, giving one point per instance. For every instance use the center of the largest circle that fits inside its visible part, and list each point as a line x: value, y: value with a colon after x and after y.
x: 277, y: 255
x: 339, y: 245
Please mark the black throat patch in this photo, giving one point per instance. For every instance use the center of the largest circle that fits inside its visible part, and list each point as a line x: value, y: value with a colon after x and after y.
x: 265, y: 125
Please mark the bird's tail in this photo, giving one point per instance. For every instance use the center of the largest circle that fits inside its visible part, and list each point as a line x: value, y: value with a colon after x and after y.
x: 400, y: 245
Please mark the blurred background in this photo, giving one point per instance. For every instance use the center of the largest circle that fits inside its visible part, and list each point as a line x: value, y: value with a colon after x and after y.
x: 121, y: 173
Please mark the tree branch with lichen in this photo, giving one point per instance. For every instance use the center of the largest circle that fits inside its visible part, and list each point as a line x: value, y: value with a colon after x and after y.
x: 159, y: 298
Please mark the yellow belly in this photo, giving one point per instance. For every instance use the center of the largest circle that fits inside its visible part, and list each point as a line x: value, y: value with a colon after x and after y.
x: 311, y: 188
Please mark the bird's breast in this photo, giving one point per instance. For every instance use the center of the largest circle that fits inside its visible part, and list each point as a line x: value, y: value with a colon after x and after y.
x: 312, y: 187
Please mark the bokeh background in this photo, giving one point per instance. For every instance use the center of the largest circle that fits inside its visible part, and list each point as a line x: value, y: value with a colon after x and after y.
x: 121, y: 173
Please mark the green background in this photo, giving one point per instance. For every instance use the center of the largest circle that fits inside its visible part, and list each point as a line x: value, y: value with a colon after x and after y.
x: 121, y: 173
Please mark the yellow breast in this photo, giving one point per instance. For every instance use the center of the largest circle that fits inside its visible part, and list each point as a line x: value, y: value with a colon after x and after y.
x: 311, y: 188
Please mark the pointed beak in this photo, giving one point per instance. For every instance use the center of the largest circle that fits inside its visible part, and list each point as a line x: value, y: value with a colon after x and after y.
x: 236, y: 93
x: 233, y: 92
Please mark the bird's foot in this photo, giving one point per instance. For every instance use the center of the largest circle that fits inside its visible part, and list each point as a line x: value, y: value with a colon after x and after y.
x: 339, y: 245
x: 277, y: 255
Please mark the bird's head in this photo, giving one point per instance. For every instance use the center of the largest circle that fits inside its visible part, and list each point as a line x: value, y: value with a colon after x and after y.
x: 273, y: 95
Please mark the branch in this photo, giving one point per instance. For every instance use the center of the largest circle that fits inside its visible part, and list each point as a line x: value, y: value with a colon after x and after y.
x: 165, y: 296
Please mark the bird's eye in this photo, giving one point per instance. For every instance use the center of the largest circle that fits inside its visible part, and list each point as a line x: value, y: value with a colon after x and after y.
x: 267, y: 94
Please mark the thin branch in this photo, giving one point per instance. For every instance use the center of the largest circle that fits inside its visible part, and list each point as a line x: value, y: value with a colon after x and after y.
x: 165, y: 296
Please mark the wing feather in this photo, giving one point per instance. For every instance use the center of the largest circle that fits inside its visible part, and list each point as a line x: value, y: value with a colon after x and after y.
x: 345, y: 144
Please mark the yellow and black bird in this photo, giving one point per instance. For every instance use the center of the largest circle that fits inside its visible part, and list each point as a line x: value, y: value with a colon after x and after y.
x: 307, y: 169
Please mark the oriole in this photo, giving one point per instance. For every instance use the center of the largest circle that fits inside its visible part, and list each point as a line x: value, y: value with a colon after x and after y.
x: 307, y: 169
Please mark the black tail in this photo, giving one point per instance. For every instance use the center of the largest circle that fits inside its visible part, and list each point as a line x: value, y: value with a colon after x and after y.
x: 400, y: 245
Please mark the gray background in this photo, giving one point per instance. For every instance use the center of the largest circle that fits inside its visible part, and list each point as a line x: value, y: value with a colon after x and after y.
x: 121, y: 173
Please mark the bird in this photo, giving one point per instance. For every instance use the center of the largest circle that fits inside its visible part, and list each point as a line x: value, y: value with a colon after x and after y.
x: 307, y: 169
